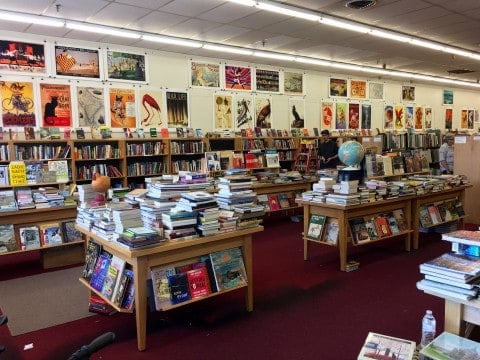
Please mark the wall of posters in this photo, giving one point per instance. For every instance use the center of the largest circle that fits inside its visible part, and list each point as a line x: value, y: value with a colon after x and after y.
x: 16, y: 56
x: 204, y: 74
x: 70, y: 61
x: 18, y: 107
x: 90, y: 106
x: 125, y: 66
x: 56, y: 105
x: 122, y: 108
x: 238, y: 77
x: 177, y: 109
x: 150, y: 108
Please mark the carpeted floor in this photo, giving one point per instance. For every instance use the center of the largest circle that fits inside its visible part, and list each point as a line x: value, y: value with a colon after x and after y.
x: 29, y: 300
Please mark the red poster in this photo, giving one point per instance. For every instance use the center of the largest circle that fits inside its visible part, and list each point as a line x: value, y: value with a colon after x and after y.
x: 56, y: 105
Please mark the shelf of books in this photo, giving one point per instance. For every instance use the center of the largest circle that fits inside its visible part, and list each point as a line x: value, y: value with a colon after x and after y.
x: 280, y: 196
x: 178, y: 272
x: 187, y: 154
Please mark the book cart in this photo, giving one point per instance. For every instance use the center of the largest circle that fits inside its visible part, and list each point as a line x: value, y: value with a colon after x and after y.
x: 344, y: 213
x: 171, y: 252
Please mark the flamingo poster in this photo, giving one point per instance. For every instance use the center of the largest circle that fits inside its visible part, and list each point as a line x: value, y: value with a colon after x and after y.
x: 150, y: 108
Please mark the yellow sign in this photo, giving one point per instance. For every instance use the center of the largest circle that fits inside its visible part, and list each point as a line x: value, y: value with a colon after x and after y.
x: 18, y: 173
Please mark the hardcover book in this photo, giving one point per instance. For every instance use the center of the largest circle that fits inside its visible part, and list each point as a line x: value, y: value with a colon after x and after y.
x: 450, y: 346
x: 112, y: 279
x: 161, y: 288
x: 129, y: 297
x: 8, y: 241
x: 80, y: 133
x: 50, y: 234
x: 29, y: 237
x: 358, y: 230
x: 273, y: 202
x: 179, y: 291
x: 461, y: 266
x: 316, y: 225
x: 381, y: 224
x: 69, y: 233
x: 100, y: 271
x: 331, y: 231
x: 29, y: 133
x: 198, y: 282
x: 283, y: 200
x: 468, y: 237
x: 228, y: 268
x: 379, y: 346
x: 371, y: 228
x: 92, y: 253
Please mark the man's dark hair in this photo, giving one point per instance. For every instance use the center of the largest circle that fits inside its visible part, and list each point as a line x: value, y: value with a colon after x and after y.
x: 325, y: 132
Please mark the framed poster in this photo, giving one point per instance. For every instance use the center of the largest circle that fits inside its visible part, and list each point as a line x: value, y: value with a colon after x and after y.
x: 204, y: 74
x: 366, y: 116
x: 177, y: 109
x: 464, y: 119
x: 408, y: 93
x: 18, y: 105
x: 388, y: 117
x: 448, y: 118
x: 223, y: 105
x: 150, y: 108
x: 375, y: 91
x: 419, y: 118
x: 244, y: 111
x: 341, y: 116
x: 428, y: 117
x: 267, y: 80
x: 238, y: 77
x: 126, y: 66
x: 399, y: 114
x: 56, y: 105
x: 296, y: 105
x: 22, y: 57
x: 409, y: 117
x: 293, y: 83
x: 338, y: 87
x: 470, y: 119
x: 122, y: 108
x: 71, y: 61
x: 90, y: 105
x: 353, y: 116
x: 447, y: 97
x: 263, y: 111
x: 327, y: 114
x: 358, y: 89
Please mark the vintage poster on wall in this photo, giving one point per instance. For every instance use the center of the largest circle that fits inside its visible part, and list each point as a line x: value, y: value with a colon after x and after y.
x: 267, y: 80
x: 341, y: 116
x: 223, y: 114
x: 419, y: 118
x: 16, y: 56
x: 90, y: 106
x: 448, y: 118
x: 244, y: 111
x: 56, y: 104
x: 296, y: 105
x: 409, y: 117
x: 388, y: 117
x: 408, y: 93
x: 353, y: 116
x: 470, y: 118
x: 204, y: 74
x: 447, y: 97
x: 399, y: 117
x: 338, y: 87
x: 122, y: 108
x: 238, y: 77
x: 327, y: 114
x: 293, y: 83
x: 358, y: 89
x: 126, y: 66
x: 177, y: 109
x: 375, y: 91
x: 17, y: 103
x: 366, y: 116
x: 428, y: 117
x: 263, y: 111
x: 70, y: 61
x: 150, y: 108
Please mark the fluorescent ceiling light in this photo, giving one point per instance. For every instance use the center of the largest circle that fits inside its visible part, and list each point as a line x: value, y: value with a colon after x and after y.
x: 287, y: 11
x: 347, y: 66
x: 228, y: 49
x: 345, y: 25
x: 390, y: 35
x: 102, y: 30
x: 313, y: 61
x: 456, y: 51
x: 244, y: 2
x: 271, y: 55
x: 173, y: 41
x: 27, y: 18
x: 427, y: 44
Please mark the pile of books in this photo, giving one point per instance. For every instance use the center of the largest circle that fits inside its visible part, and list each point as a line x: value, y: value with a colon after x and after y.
x: 139, y: 237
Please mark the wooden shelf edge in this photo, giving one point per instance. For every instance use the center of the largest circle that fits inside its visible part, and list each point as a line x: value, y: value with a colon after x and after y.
x: 383, y: 238
x: 116, y: 307
x: 43, y: 248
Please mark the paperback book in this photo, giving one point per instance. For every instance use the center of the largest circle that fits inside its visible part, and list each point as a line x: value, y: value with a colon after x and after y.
x: 316, y: 224
x: 450, y: 346
x: 379, y: 346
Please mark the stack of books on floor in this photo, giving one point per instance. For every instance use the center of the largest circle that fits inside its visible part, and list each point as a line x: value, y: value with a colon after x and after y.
x: 139, y: 237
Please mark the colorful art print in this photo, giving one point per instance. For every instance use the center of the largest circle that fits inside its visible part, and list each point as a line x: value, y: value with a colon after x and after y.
x: 328, y: 113
x: 263, y: 112
x: 448, y: 118
x: 204, y: 74
x: 126, y: 66
x: 409, y: 117
x: 296, y: 112
x: 90, y: 106
x: 428, y: 118
x: 122, y: 108
x: 399, y: 114
x: 358, y: 89
x: 353, y: 116
x: 18, y: 107
x: 267, y: 80
x: 470, y: 119
x: 150, y: 109
x: 419, y: 118
x: 338, y: 87
x: 238, y: 77
x: 243, y: 111
x: 366, y: 116
x: 292, y: 82
x: 56, y: 105
x: 388, y: 117
x: 18, y: 56
x: 464, y: 119
x: 375, y: 91
x: 408, y: 93
x: 341, y: 116
x: 70, y: 61
x: 177, y: 109
x: 223, y: 111
x: 447, y: 97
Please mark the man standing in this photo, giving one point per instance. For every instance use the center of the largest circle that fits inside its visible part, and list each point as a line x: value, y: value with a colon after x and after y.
x: 327, y: 151
x: 446, y: 155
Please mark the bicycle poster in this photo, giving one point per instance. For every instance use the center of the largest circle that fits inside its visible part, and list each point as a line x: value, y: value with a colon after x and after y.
x: 18, y: 107
x: 56, y: 105
x: 18, y: 56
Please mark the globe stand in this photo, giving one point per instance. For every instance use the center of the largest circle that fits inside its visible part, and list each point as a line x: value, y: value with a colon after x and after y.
x: 349, y: 175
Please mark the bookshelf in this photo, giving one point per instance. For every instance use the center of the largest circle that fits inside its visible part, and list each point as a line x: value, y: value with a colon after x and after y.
x: 187, y: 154
x: 172, y: 252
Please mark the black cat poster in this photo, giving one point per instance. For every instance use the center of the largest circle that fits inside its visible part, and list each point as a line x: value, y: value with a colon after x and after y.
x: 56, y: 105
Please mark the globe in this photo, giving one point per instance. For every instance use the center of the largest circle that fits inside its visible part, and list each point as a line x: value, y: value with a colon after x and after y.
x: 351, y: 154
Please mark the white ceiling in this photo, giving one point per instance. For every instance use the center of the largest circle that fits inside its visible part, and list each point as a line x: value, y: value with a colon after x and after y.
x: 453, y: 22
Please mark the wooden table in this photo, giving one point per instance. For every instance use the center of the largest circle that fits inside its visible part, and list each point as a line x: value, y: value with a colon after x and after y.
x: 171, y: 252
x: 344, y: 213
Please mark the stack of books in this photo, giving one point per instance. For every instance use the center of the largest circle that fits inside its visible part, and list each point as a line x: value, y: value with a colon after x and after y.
x: 138, y: 237
x: 235, y: 190
x: 179, y: 225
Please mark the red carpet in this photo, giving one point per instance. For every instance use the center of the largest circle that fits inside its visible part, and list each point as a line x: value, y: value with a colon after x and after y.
x: 303, y: 309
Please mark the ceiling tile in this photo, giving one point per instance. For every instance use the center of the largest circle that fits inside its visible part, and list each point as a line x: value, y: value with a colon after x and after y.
x: 227, y: 13
x: 189, y: 7
x: 76, y: 10
x: 192, y: 28
x: 118, y: 15
x: 147, y: 4
x: 158, y: 22
x: 223, y: 33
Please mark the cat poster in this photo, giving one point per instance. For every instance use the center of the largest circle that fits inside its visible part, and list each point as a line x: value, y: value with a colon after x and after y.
x: 17, y: 105
x: 56, y: 105
x: 122, y: 108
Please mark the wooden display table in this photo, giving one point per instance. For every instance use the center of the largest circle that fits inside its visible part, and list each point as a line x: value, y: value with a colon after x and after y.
x: 344, y: 213
x: 171, y: 252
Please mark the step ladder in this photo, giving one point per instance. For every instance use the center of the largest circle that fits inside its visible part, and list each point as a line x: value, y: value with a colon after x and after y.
x: 306, y: 160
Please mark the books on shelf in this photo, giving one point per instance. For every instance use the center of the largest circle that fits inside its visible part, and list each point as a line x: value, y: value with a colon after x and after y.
x: 29, y: 237
x: 92, y: 252
x: 462, y: 267
x: 330, y: 234
x: 379, y: 346
x: 161, y: 288
x: 50, y: 234
x: 228, y: 268
x: 358, y: 230
x: 451, y: 346
x: 8, y: 241
x: 315, y: 228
